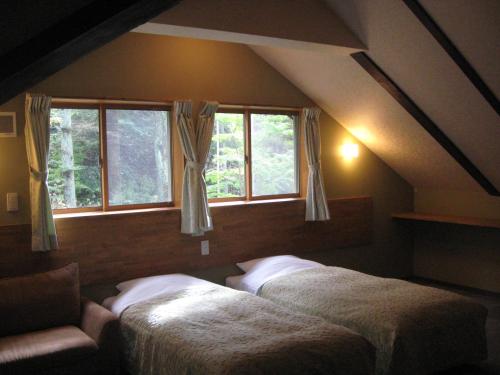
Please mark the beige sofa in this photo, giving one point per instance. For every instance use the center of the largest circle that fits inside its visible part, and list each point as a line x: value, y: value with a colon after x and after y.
x: 47, y: 328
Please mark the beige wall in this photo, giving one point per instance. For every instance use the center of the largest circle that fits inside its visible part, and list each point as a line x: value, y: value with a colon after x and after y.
x: 13, y: 168
x: 142, y: 66
x: 391, y: 252
x: 458, y: 254
x: 149, y: 67
x: 459, y: 203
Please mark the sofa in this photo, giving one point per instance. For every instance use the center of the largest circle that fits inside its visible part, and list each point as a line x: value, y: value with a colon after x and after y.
x: 46, y: 327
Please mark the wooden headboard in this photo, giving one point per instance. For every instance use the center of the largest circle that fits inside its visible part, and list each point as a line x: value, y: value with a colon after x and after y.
x: 116, y: 247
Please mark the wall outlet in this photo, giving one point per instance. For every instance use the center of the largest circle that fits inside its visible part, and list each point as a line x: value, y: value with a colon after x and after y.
x: 205, y: 248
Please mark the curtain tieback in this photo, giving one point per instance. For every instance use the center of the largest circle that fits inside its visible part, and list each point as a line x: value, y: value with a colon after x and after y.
x: 195, y: 165
x: 40, y: 176
x: 314, y: 166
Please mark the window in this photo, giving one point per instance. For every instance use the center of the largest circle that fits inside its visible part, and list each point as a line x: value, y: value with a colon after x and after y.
x: 253, y: 156
x: 104, y: 156
x: 112, y: 155
x: 74, y: 172
x: 138, y: 150
x: 225, y: 170
x: 274, y: 154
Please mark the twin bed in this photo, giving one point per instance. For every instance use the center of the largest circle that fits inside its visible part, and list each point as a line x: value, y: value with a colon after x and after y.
x: 293, y: 316
x: 415, y: 329
x: 177, y: 324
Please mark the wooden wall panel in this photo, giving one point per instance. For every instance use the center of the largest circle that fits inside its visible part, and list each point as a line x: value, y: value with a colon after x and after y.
x: 116, y: 247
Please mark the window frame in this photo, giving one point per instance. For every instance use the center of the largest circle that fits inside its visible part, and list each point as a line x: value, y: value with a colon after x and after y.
x: 102, y: 106
x: 247, y: 129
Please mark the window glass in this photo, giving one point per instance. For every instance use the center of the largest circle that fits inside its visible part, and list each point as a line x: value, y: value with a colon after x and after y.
x: 138, y: 154
x: 74, y: 173
x: 225, y: 169
x: 137, y: 159
x: 274, y: 154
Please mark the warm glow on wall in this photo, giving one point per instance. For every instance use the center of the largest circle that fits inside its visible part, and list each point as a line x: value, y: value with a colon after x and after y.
x: 362, y: 134
x: 349, y: 151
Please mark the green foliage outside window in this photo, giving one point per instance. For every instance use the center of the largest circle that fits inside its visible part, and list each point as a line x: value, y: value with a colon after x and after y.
x: 74, y: 174
x: 225, y: 169
x: 138, y: 156
x: 138, y: 146
x: 273, y: 139
x: 273, y: 154
x: 138, y: 143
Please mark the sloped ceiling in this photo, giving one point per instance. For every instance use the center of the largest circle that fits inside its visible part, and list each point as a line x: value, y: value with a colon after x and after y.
x: 473, y: 26
x: 298, y: 24
x: 352, y: 97
x: 406, y: 51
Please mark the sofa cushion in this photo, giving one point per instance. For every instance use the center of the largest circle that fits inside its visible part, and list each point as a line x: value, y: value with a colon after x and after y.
x: 39, y: 301
x: 39, y: 350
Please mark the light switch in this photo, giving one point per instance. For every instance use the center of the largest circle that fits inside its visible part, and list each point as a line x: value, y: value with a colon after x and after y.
x: 205, y: 249
x: 12, y: 202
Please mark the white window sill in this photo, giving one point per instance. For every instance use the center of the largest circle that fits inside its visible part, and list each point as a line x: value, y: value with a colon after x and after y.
x: 161, y: 209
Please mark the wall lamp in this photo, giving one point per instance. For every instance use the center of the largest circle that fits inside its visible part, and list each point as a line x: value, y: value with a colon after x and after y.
x: 349, y: 151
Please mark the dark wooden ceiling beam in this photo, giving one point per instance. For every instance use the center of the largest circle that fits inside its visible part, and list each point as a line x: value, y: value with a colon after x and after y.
x: 85, y: 30
x: 407, y: 103
x: 453, y: 52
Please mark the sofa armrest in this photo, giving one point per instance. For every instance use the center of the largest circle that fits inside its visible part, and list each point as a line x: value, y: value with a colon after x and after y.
x: 99, y: 323
x: 103, y: 327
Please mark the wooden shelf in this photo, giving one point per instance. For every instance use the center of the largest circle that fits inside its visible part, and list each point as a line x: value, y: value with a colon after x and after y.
x: 461, y: 220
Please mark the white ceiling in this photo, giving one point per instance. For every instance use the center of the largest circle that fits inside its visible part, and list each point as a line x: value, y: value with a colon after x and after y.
x: 294, y: 41
x: 474, y: 27
x: 300, y: 24
x: 407, y: 52
x: 355, y: 100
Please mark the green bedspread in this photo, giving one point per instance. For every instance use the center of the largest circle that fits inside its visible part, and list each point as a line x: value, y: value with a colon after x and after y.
x: 415, y: 329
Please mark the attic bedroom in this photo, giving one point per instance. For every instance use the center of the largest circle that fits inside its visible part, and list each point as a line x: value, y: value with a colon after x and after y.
x: 250, y: 187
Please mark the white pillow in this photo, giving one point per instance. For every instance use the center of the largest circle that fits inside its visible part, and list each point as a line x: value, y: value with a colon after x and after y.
x: 138, y: 290
x: 246, y: 266
x: 290, y: 259
x: 265, y: 269
x: 233, y: 282
x: 125, y: 285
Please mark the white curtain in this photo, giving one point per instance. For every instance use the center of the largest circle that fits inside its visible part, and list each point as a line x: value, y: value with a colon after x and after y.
x: 37, y: 133
x: 195, y: 142
x: 316, y: 203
